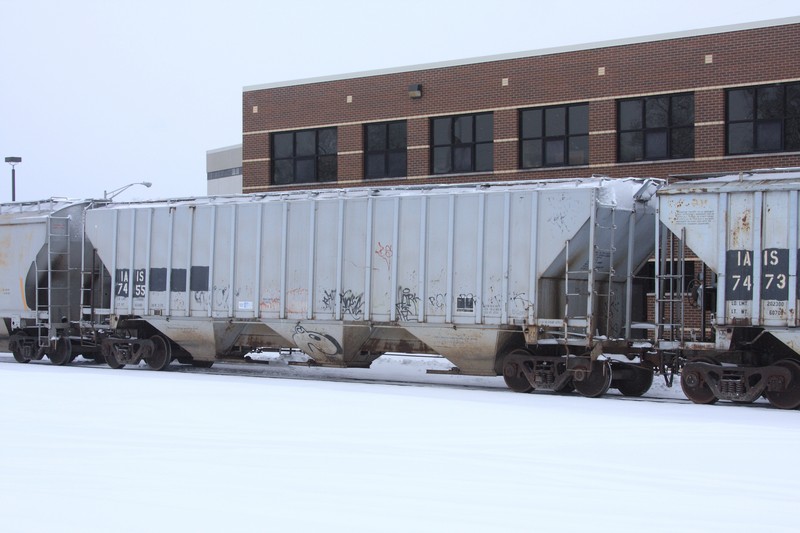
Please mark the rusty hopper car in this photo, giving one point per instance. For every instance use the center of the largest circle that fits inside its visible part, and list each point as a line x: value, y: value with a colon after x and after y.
x: 745, y: 228
x: 43, y: 270
x: 532, y: 280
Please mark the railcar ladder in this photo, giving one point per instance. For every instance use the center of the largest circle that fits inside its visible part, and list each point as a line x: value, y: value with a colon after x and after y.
x: 53, y: 299
x: 92, y: 283
x: 670, y: 275
x: 91, y: 274
x: 605, y: 270
x: 600, y: 266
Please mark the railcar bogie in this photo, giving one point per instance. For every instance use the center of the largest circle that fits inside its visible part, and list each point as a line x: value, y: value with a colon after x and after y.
x: 138, y: 341
x: 702, y: 378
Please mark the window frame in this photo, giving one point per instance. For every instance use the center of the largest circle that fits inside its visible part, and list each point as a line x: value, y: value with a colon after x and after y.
x: 462, y: 144
x: 661, y: 133
x: 319, y: 158
x: 566, y: 137
x: 387, y: 153
x: 787, y: 122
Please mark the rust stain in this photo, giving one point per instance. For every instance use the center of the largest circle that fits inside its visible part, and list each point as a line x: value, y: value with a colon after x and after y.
x: 5, y: 245
x: 746, y: 220
x: 22, y: 292
x: 741, y: 229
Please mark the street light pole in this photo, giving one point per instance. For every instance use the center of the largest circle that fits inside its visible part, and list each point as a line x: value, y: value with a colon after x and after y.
x: 13, y: 162
x: 108, y: 195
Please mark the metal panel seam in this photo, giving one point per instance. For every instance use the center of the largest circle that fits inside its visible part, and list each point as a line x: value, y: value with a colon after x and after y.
x: 758, y: 214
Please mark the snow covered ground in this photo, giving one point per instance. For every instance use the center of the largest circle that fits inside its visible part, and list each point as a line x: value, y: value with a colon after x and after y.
x: 90, y: 449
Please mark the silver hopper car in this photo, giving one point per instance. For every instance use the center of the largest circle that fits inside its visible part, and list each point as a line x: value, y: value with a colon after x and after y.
x: 745, y: 228
x: 532, y: 280
x: 48, y: 279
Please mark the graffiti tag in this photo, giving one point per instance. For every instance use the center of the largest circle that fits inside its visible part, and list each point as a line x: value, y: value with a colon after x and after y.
x: 407, y: 303
x: 385, y: 253
x: 315, y: 343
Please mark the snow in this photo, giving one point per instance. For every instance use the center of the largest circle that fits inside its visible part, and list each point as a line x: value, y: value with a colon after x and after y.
x: 91, y: 449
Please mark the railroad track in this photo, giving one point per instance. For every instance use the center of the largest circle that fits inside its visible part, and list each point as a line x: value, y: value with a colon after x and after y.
x: 266, y: 371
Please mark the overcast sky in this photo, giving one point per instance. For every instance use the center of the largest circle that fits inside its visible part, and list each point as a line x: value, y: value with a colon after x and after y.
x: 96, y: 94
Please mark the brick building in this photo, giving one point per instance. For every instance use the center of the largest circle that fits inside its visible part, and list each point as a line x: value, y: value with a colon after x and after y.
x: 716, y: 100
x: 721, y: 99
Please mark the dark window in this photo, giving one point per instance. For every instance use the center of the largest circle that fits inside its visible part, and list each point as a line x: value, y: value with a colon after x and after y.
x: 656, y: 127
x: 463, y: 144
x: 385, y: 153
x: 216, y: 174
x: 763, y: 119
x: 554, y: 136
x: 304, y: 156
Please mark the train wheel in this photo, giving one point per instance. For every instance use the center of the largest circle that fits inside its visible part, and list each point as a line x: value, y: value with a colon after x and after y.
x: 512, y: 372
x: 595, y: 383
x: 695, y: 388
x: 107, y: 350
x: 62, y: 354
x: 641, y: 383
x: 113, y: 362
x: 789, y: 398
x: 18, y: 355
x: 162, y: 353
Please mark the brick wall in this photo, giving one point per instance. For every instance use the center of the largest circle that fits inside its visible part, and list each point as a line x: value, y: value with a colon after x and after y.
x: 695, y: 328
x: 746, y: 57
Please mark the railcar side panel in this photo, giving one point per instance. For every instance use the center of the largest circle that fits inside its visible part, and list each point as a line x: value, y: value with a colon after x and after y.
x: 438, y: 242
x: 410, y: 291
x: 746, y: 231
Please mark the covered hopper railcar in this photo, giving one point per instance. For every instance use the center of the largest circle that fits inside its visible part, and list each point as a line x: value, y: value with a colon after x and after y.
x: 48, y: 279
x: 529, y: 279
x: 744, y: 227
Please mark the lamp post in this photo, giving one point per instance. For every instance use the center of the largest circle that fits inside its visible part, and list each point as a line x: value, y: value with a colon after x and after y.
x: 13, y: 162
x: 108, y: 195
